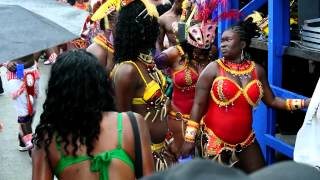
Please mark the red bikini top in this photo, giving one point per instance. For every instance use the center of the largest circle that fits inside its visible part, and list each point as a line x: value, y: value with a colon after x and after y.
x: 184, y: 81
x: 229, y: 113
x: 225, y: 91
x: 185, y: 78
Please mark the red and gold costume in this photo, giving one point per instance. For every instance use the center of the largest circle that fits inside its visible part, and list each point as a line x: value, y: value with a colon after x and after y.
x: 184, y: 81
x: 228, y: 121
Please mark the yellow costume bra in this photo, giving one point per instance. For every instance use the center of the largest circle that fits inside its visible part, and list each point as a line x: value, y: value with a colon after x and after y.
x: 153, y: 96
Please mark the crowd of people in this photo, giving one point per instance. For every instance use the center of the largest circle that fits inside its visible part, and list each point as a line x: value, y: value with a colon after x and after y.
x: 141, y: 89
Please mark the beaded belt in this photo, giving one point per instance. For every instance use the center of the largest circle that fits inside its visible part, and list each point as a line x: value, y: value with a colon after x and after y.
x: 157, y: 147
x: 216, y: 146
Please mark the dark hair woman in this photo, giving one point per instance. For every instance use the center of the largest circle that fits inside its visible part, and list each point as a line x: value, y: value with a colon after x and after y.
x: 80, y: 136
x: 139, y: 85
x: 226, y: 92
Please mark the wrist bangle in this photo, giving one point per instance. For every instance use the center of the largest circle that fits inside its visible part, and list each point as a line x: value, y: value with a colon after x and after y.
x: 294, y: 104
x: 190, y: 134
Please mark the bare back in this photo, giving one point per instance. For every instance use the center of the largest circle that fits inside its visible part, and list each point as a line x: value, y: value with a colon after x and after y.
x: 107, y: 141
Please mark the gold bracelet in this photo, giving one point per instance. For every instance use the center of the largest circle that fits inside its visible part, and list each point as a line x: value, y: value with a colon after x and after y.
x: 294, y: 104
x: 190, y: 134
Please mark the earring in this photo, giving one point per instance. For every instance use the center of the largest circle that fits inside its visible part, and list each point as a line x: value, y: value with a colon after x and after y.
x: 242, y: 55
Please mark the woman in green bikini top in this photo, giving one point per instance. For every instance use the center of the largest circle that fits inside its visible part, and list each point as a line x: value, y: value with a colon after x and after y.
x: 79, y: 135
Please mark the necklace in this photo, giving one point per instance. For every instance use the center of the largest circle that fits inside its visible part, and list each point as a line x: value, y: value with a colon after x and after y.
x: 242, y: 69
x: 153, y: 72
x: 146, y: 58
x: 158, y: 105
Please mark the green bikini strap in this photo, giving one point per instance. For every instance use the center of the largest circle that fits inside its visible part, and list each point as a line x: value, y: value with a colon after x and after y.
x: 119, y: 130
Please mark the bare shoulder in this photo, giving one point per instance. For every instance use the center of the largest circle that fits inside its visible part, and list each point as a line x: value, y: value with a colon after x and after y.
x: 97, y: 51
x: 260, y: 70
x: 109, y: 116
x: 210, y: 70
x: 94, y: 47
x: 162, y: 19
x: 125, y: 72
x: 166, y: 17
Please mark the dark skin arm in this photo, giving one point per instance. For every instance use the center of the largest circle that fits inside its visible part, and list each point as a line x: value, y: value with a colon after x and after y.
x: 200, y: 103
x: 269, y: 98
x: 172, y: 57
x: 99, y: 52
x: 40, y: 165
x: 159, y: 43
x: 203, y: 87
x: 125, y: 82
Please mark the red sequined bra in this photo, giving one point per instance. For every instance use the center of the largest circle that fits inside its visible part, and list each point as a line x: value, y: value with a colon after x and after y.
x: 184, y: 81
x: 229, y: 113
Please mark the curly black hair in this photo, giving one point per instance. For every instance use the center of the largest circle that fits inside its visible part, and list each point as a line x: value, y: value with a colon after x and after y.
x: 136, y: 32
x: 78, y: 93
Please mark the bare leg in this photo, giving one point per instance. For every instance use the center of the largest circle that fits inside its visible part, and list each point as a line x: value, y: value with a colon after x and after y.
x: 251, y: 158
x: 26, y: 130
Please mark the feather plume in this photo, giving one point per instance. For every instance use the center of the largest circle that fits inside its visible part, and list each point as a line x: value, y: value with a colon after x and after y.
x: 209, y: 9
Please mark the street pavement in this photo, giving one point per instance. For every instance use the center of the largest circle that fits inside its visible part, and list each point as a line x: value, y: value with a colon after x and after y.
x: 16, y: 165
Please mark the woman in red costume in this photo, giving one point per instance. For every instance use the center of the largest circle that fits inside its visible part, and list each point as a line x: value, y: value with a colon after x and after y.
x: 185, y: 63
x: 226, y: 92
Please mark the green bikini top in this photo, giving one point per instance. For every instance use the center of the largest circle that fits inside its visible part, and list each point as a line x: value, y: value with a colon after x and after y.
x: 100, y: 162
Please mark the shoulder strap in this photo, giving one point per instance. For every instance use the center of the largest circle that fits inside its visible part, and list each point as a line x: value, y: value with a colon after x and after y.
x: 135, y: 65
x: 221, y: 70
x: 119, y: 130
x: 137, y: 142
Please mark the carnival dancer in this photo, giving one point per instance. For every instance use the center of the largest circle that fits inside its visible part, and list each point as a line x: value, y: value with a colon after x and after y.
x: 139, y: 85
x: 24, y: 88
x: 102, y: 46
x: 226, y: 92
x: 186, y: 61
